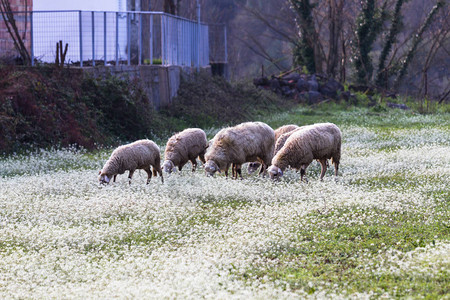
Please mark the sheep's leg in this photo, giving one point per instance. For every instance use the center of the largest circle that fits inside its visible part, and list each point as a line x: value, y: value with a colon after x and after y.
x: 201, y: 156
x: 157, y: 167
x: 155, y: 172
x: 180, y: 167
x: 226, y: 170
x: 261, y: 170
x: 239, y: 171
x: 194, y: 164
x: 114, y: 178
x: 336, y: 168
x: 161, y: 174
x: 323, y: 164
x: 130, y: 175
x: 149, y: 174
x: 303, y: 173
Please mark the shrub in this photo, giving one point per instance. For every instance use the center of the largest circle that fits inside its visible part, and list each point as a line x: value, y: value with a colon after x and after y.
x: 206, y: 101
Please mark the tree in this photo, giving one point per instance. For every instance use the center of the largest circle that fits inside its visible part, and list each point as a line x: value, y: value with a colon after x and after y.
x: 10, y: 23
x: 305, y: 50
x: 382, y: 73
x: 416, y: 40
x: 368, y: 27
x: 172, y: 6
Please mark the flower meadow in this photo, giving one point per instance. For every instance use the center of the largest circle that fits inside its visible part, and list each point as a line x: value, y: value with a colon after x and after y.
x: 381, y: 229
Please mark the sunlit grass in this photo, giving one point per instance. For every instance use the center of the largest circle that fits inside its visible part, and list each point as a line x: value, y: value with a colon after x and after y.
x: 381, y: 229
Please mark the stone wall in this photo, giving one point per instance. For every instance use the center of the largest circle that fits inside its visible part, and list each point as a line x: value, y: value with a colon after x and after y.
x: 160, y: 82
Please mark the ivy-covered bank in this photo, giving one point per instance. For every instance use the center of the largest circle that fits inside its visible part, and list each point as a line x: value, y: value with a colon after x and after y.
x: 50, y: 107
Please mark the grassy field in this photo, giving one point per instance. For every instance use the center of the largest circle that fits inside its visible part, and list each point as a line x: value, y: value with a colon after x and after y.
x: 381, y: 230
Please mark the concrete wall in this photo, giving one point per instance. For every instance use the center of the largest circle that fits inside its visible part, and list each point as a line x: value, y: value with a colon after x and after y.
x: 160, y: 82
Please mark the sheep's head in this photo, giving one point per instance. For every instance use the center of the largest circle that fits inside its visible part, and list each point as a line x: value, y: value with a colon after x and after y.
x: 253, y: 167
x: 275, y: 173
x: 211, y: 167
x: 103, y: 178
x: 168, y: 166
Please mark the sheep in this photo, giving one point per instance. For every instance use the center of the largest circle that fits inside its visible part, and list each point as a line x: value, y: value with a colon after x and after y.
x: 253, y: 166
x: 239, y: 144
x: 138, y: 155
x: 284, y: 129
x: 183, y: 147
x: 319, y: 141
x: 283, y: 138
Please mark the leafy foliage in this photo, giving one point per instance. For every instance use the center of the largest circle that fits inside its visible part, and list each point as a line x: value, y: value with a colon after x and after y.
x: 303, y: 52
x: 43, y: 107
x: 369, y: 25
x: 206, y: 101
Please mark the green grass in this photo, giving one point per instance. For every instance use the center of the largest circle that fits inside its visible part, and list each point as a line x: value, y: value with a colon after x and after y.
x: 342, y: 114
x: 336, y: 254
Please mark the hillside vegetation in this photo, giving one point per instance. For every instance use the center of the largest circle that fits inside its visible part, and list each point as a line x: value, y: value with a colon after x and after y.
x: 48, y: 107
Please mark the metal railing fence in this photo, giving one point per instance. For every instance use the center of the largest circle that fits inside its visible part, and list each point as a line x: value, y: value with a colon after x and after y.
x: 114, y: 38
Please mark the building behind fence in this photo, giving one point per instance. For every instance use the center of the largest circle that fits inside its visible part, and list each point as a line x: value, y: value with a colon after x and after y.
x: 155, y: 47
x: 115, y: 38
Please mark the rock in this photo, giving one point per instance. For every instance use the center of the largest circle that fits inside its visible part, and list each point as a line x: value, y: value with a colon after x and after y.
x: 261, y: 81
x: 331, y: 88
x: 287, y: 91
x: 314, y: 97
x: 302, y: 85
x: 399, y: 106
x: 294, y: 77
x: 345, y: 95
x: 274, y: 85
x: 313, y: 84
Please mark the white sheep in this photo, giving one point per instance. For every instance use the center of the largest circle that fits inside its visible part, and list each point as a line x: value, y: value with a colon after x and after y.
x: 253, y: 166
x: 183, y: 147
x: 236, y: 145
x: 319, y: 141
x: 138, y: 155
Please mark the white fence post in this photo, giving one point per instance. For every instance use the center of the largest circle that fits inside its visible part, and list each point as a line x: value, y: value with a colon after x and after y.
x: 81, y: 37
x: 93, y: 38
x: 104, y: 37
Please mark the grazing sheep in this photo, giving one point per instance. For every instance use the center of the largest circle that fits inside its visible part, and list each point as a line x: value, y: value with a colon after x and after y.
x: 319, y: 141
x: 283, y: 138
x: 183, y: 147
x: 253, y: 166
x: 239, y: 144
x: 284, y: 129
x: 138, y: 155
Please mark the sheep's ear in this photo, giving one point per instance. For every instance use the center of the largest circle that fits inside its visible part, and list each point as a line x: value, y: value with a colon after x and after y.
x: 99, y: 172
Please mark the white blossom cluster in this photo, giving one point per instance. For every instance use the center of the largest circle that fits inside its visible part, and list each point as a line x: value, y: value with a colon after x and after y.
x: 62, y: 235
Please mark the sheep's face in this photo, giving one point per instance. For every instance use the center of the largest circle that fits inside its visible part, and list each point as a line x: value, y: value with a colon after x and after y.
x: 211, y: 167
x: 253, y: 167
x: 103, y: 178
x: 168, y: 166
x: 275, y: 173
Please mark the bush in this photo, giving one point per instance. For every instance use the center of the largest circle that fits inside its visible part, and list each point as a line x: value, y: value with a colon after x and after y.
x: 45, y: 106
x: 206, y: 101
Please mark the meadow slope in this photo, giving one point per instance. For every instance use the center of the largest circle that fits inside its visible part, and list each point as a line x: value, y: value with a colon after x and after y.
x: 381, y: 229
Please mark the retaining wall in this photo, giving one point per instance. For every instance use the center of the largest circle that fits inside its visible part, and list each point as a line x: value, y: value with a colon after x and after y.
x: 160, y: 82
